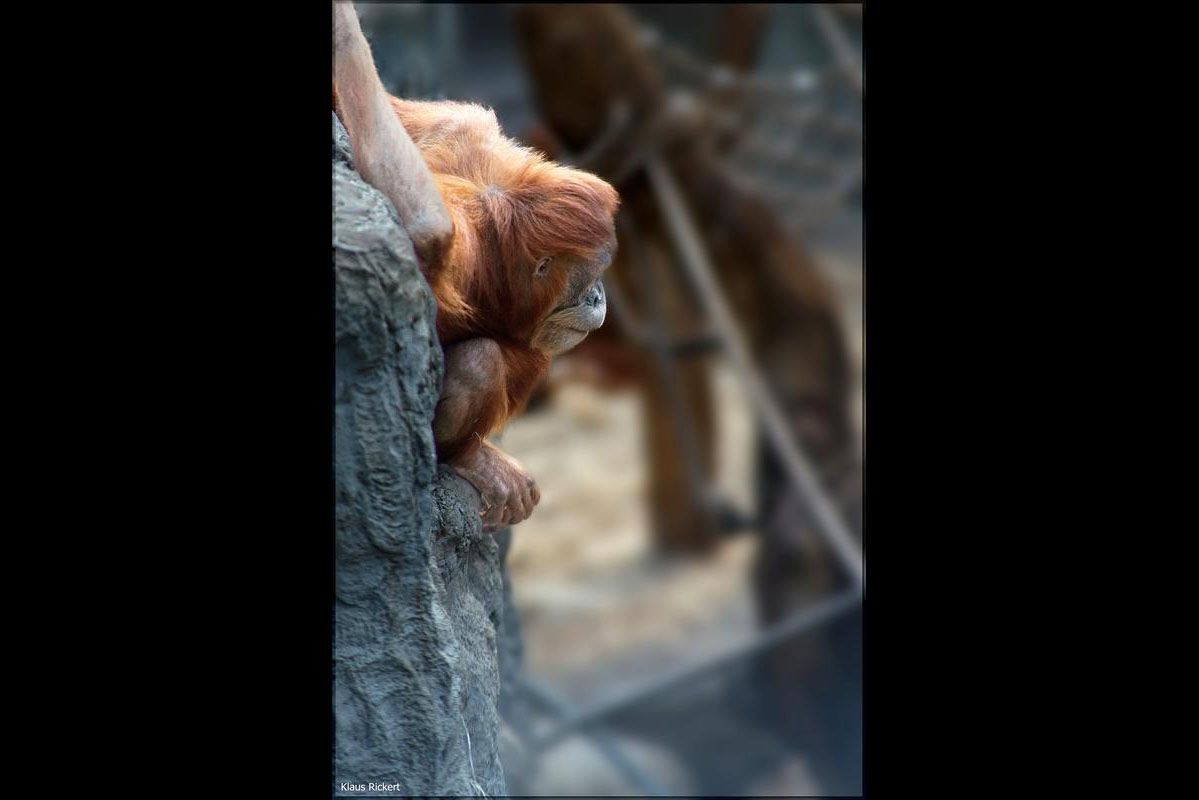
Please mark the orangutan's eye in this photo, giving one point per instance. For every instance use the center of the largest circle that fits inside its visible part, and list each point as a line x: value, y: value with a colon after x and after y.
x: 543, y: 265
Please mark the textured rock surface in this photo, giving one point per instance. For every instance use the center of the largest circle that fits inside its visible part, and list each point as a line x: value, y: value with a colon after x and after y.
x: 421, y: 598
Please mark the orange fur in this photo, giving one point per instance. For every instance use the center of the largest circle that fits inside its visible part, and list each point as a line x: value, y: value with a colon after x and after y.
x: 510, y: 206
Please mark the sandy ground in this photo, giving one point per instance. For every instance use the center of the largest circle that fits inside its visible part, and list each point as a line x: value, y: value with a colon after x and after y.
x: 586, y: 580
x: 600, y: 610
x: 593, y: 595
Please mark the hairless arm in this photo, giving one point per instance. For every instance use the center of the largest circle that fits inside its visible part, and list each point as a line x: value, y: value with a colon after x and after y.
x: 475, y: 395
x: 384, y: 153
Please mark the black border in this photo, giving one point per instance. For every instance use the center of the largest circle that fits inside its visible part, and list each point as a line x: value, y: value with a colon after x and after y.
x: 245, y: 537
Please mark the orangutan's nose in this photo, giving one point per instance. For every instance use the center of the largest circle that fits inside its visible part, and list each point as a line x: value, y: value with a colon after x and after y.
x: 595, y: 295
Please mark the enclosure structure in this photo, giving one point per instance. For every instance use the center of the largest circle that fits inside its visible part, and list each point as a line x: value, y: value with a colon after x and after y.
x: 421, y: 625
x: 538, y: 716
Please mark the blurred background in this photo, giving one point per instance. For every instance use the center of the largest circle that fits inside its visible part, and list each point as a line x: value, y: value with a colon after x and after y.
x: 689, y: 587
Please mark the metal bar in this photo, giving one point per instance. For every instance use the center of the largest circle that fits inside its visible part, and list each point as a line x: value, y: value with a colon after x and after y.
x: 695, y: 344
x: 695, y: 261
x: 627, y: 320
x: 797, y: 623
x: 724, y: 78
x: 616, y: 124
x: 842, y: 49
x: 555, y: 705
x: 665, y: 369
